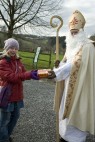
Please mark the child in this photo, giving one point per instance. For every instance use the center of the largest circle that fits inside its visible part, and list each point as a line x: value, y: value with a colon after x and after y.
x: 12, y: 72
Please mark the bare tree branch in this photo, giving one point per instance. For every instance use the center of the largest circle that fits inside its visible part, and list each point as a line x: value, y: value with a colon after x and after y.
x: 22, y: 13
x: 3, y: 18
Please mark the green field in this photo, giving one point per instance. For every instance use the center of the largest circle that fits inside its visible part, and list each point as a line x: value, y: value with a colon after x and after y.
x: 27, y: 59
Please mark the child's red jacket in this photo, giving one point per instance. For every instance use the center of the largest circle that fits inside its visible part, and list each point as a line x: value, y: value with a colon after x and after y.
x: 12, y: 71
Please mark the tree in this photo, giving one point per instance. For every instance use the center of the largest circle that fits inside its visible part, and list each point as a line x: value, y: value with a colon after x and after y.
x: 52, y: 41
x: 21, y: 14
x: 3, y: 28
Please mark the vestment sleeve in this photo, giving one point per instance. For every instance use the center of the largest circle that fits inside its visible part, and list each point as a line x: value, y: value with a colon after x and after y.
x: 63, y: 71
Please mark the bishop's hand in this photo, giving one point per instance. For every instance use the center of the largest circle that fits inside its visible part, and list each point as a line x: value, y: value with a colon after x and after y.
x: 56, y: 63
x: 51, y: 74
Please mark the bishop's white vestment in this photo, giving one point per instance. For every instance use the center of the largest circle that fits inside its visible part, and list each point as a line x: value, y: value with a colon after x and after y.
x: 77, y: 102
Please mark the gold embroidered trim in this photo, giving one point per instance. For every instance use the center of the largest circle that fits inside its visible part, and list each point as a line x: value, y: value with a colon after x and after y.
x: 73, y: 78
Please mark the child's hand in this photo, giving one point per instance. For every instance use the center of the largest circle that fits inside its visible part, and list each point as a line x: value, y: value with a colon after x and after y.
x: 34, y: 75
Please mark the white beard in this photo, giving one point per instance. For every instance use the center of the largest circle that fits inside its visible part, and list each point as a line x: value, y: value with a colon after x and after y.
x: 74, y: 43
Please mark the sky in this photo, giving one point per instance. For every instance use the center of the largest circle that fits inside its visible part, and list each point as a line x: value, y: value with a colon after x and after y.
x: 86, y: 7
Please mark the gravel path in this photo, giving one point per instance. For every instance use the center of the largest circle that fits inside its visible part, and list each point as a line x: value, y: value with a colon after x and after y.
x: 37, y: 120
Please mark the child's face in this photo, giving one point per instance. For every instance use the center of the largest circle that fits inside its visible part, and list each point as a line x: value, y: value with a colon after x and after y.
x: 12, y: 51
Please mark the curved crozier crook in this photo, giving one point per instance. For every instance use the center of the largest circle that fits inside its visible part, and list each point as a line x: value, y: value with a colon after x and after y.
x: 55, y: 25
x: 57, y: 85
x: 57, y: 32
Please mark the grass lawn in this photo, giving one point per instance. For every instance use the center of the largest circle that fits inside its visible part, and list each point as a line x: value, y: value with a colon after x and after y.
x: 43, y: 60
x: 27, y: 59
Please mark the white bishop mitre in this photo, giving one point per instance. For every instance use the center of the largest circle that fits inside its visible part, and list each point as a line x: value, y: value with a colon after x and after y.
x: 77, y: 20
